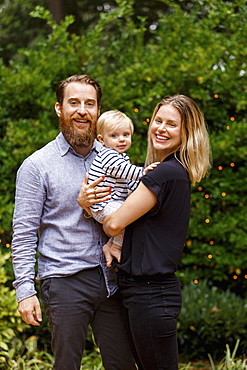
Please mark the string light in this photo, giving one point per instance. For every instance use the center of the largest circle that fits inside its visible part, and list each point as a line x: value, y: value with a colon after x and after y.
x: 216, y: 96
x: 232, y: 164
x: 199, y: 188
x: 136, y: 110
x: 211, y: 242
x: 228, y: 127
x: 232, y: 118
x: 220, y: 168
x: 194, y: 267
x: 189, y: 243
x: 210, y: 256
x: 207, y: 220
x: 235, y: 277
x: 7, y: 245
x: 196, y: 281
x: 223, y: 194
x: 206, y: 196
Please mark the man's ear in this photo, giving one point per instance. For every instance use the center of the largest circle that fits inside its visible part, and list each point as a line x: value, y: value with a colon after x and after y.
x: 100, y: 138
x: 58, y: 109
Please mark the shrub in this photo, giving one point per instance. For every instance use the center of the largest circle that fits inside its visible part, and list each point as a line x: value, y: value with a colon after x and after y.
x: 11, y: 324
x: 217, y: 238
x: 209, y: 320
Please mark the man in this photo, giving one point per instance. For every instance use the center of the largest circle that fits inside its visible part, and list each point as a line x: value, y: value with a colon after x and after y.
x: 76, y: 286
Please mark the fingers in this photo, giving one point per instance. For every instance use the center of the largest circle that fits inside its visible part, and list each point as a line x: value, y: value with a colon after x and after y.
x: 115, y: 251
x: 30, y: 311
x: 106, y: 250
x: 91, y: 194
x: 86, y: 179
x: 97, y: 181
x: 151, y: 167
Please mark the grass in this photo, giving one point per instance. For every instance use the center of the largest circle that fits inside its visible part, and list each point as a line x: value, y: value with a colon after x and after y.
x: 26, y: 357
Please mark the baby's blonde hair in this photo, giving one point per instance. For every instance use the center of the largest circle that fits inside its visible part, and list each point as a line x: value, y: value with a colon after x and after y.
x: 195, y: 153
x: 112, y: 119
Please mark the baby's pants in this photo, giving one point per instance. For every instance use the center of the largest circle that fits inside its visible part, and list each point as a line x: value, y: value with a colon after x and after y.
x: 107, y: 210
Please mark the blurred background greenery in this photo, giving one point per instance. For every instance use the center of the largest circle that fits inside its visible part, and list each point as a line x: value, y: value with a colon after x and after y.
x: 139, y: 51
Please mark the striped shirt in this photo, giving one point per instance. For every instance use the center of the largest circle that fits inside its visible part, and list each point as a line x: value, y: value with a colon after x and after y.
x: 119, y: 174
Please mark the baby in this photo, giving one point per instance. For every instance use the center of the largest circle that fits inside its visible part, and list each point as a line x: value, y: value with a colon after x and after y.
x: 114, y: 132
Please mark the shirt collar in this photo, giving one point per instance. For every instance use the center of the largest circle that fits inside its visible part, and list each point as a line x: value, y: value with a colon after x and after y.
x: 64, y: 146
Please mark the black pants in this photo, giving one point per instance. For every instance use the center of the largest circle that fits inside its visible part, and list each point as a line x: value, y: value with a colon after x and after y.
x: 74, y: 302
x: 151, y: 310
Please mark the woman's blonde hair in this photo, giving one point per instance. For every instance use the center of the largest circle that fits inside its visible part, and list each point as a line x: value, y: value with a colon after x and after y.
x: 111, y: 120
x: 195, y: 152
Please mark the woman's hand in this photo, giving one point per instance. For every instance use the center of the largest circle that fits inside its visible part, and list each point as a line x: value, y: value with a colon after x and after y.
x: 91, y: 194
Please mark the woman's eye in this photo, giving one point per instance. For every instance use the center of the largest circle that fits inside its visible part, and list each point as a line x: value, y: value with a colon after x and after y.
x: 158, y: 121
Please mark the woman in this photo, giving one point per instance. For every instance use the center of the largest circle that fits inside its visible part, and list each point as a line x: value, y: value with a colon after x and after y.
x: 156, y: 218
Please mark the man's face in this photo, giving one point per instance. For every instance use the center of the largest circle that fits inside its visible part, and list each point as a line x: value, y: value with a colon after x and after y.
x: 78, y: 114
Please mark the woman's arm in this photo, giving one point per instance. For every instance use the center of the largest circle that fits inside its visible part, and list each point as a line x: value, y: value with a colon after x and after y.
x: 136, y: 205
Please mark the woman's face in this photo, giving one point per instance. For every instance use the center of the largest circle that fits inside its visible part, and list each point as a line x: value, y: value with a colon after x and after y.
x: 165, y: 131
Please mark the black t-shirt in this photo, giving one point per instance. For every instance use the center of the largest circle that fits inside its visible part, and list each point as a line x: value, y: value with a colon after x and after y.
x: 153, y: 244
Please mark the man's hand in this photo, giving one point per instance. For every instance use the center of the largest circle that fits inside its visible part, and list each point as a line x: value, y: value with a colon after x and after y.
x: 30, y: 311
x: 91, y: 194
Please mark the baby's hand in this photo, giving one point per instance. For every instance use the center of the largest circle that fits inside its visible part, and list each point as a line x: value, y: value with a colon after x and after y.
x: 150, y: 167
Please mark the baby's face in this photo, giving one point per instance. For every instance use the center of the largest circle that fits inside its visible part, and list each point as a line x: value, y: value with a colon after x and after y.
x: 118, y: 139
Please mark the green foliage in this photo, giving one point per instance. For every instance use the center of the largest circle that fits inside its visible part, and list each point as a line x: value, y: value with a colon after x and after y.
x: 230, y: 361
x: 25, y: 356
x: 10, y: 321
x: 217, y: 240
x: 209, y: 320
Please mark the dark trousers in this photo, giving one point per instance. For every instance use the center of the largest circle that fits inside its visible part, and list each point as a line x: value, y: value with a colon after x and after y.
x: 72, y: 304
x: 151, y: 311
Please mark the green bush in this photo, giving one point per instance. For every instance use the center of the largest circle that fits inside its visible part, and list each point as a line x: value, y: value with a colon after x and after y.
x: 217, y: 238
x: 209, y: 320
x: 11, y: 324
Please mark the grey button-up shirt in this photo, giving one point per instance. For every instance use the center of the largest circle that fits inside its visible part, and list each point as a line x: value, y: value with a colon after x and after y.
x: 48, y: 220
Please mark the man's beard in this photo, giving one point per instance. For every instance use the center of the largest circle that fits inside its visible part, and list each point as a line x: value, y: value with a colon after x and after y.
x: 73, y: 137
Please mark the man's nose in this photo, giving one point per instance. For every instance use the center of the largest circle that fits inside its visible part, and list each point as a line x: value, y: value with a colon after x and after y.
x: 81, y: 109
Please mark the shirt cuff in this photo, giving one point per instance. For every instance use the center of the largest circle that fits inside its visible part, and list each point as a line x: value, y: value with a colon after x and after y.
x: 25, y: 290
